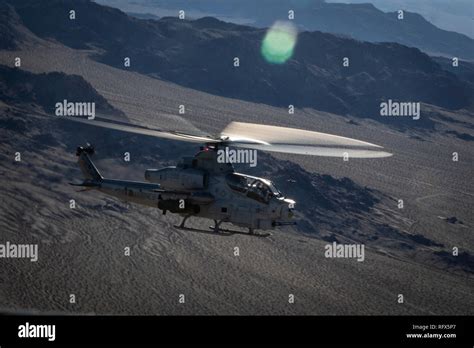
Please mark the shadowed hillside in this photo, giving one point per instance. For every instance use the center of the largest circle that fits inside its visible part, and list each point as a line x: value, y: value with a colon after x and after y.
x: 19, y: 87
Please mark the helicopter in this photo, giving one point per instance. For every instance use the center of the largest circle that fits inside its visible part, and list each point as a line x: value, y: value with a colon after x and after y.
x: 202, y: 186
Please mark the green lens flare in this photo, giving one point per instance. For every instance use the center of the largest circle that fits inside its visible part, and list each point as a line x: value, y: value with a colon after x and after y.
x: 279, y: 42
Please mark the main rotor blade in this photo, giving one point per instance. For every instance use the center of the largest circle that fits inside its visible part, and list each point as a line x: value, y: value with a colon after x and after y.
x: 157, y: 133
x: 297, y: 141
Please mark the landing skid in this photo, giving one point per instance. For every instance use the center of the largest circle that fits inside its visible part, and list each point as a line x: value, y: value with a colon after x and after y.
x: 216, y: 230
x: 221, y: 232
x: 231, y: 232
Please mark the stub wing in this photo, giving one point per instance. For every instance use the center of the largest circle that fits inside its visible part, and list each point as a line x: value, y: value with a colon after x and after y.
x: 195, y: 197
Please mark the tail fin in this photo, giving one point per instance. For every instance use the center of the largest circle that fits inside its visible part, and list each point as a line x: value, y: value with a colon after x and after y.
x: 85, y: 163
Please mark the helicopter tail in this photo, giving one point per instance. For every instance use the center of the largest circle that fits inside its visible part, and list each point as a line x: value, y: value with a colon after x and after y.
x: 88, y: 168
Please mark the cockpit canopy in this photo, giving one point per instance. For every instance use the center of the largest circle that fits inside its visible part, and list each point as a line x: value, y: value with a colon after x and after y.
x: 256, y: 188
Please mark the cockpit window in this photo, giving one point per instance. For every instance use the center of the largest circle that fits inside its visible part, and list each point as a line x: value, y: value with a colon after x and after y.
x: 237, y: 182
x: 272, y: 188
x: 256, y: 188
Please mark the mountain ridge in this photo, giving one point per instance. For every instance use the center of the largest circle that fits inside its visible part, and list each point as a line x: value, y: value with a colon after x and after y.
x: 361, y: 21
x: 198, y: 53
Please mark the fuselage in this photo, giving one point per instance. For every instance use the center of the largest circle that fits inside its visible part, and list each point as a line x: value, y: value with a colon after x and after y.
x: 201, y: 187
x: 242, y: 208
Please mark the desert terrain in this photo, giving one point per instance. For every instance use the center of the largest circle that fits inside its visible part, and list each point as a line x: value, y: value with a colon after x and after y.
x: 81, y: 250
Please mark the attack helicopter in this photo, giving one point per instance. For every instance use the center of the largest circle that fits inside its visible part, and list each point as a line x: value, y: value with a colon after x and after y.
x: 202, y: 186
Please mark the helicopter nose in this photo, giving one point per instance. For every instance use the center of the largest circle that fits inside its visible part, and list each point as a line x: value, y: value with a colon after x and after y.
x: 288, y: 213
